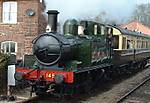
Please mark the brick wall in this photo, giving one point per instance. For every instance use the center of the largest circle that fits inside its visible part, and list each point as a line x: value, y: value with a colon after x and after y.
x: 26, y: 28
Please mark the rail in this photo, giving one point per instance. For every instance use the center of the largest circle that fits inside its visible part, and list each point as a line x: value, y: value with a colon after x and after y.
x: 134, y: 89
x: 29, y: 100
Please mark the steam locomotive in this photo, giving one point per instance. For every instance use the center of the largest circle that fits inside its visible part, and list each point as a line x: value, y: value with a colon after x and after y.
x: 86, y: 53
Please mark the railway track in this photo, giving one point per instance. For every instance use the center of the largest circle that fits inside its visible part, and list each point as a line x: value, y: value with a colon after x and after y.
x: 124, y: 97
x: 29, y: 100
x: 130, y: 92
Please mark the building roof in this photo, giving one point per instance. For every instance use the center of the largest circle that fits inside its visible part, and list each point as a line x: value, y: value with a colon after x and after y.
x: 137, y: 26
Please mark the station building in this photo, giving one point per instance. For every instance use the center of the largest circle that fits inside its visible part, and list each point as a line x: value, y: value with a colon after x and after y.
x: 20, y: 22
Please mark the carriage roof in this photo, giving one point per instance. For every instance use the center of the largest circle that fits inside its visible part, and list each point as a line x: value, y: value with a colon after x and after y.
x: 132, y: 33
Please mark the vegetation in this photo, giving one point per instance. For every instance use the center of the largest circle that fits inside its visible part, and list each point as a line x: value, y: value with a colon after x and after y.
x: 142, y: 14
x: 4, y: 59
x: 105, y: 18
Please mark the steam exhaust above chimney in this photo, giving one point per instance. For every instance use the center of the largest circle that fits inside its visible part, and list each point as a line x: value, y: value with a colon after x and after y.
x: 52, y: 21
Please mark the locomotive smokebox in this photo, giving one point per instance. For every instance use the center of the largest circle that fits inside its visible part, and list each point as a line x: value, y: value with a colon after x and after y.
x: 52, y: 20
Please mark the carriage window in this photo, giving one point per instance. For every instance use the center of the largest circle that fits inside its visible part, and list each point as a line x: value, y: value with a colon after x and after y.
x: 142, y: 44
x: 146, y: 44
x: 130, y: 44
x: 115, y: 41
x: 138, y: 44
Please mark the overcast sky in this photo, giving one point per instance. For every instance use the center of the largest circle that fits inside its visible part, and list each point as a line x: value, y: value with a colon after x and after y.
x: 116, y: 9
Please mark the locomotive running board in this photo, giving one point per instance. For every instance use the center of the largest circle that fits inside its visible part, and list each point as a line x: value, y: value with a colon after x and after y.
x: 93, y: 68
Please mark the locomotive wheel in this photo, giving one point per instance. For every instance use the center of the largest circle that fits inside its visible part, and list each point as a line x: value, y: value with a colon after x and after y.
x: 143, y: 64
x: 88, y: 84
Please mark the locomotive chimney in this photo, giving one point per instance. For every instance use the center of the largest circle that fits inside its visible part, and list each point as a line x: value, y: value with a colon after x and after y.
x: 52, y: 20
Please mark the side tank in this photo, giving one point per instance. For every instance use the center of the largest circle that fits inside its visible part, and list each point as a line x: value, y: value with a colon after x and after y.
x: 83, y: 50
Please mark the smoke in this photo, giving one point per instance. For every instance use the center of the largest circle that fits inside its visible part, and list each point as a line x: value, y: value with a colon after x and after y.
x: 83, y: 9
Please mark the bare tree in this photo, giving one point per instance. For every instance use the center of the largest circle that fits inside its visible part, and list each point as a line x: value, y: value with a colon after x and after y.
x: 103, y: 17
x: 142, y: 14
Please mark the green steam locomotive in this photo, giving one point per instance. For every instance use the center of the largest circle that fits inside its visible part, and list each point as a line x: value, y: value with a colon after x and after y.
x: 85, y: 54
